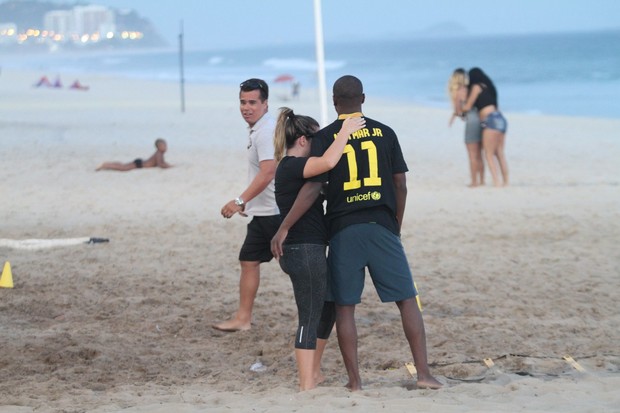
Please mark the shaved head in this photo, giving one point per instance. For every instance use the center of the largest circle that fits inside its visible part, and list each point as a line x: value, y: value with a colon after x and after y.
x: 348, y: 87
x: 348, y: 94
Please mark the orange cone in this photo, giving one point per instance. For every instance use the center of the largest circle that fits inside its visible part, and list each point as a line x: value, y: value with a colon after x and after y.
x: 6, y: 280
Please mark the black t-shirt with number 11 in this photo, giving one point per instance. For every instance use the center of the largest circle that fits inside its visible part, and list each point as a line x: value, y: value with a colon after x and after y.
x: 361, y: 189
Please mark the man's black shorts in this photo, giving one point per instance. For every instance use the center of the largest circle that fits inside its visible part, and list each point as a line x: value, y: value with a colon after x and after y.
x: 257, y: 244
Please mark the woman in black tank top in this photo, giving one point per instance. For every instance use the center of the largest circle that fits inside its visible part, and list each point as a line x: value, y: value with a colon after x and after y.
x: 483, y: 96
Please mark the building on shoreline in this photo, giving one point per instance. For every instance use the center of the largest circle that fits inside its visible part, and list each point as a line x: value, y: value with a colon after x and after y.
x: 71, y: 27
x: 81, y: 24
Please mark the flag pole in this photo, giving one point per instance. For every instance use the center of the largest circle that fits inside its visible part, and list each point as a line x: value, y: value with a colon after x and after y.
x: 181, y: 69
x: 320, y: 60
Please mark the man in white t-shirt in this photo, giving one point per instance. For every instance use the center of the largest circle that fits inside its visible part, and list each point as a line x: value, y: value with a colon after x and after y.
x: 257, y: 201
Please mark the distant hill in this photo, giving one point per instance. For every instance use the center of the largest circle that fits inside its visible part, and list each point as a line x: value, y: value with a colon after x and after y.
x: 26, y: 14
x: 445, y: 29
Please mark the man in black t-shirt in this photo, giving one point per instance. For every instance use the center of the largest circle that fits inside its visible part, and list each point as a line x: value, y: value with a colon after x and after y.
x: 366, y: 199
x: 363, y: 189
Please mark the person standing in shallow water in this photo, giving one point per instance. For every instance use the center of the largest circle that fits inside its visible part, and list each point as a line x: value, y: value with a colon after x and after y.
x: 483, y: 96
x: 366, y: 199
x: 257, y: 200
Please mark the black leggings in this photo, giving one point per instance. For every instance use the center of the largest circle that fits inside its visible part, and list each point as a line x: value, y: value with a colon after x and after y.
x: 307, y: 266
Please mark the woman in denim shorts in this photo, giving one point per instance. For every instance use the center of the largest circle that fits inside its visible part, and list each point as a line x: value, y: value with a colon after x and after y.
x: 483, y: 96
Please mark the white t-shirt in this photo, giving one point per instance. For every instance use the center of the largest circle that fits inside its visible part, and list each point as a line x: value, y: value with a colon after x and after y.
x: 260, y: 148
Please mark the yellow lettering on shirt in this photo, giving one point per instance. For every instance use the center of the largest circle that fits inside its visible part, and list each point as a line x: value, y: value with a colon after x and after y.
x: 369, y: 196
x: 362, y: 133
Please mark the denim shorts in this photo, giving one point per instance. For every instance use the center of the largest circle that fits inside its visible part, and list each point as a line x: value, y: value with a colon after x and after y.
x: 495, y: 121
x: 473, y: 130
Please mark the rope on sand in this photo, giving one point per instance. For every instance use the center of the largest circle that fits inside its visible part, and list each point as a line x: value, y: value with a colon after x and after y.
x: 38, y: 244
x: 493, y: 370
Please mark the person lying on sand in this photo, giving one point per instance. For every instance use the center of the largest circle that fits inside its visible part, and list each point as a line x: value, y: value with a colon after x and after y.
x: 157, y: 159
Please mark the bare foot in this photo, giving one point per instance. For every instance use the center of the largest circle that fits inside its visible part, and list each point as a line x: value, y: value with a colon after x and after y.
x: 319, y: 378
x: 307, y: 387
x: 352, y: 387
x: 231, y: 326
x: 429, y: 383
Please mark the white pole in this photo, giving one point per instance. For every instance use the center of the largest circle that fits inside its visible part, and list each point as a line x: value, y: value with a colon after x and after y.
x: 181, y: 69
x: 320, y: 60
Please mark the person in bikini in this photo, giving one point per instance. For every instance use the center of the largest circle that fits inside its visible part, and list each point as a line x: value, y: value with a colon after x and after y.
x: 156, y: 160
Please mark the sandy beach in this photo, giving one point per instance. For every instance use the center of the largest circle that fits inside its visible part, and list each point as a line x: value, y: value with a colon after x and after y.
x: 523, y: 275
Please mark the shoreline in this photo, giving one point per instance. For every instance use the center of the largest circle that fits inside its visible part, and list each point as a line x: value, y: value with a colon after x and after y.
x: 529, y: 90
x: 27, y: 78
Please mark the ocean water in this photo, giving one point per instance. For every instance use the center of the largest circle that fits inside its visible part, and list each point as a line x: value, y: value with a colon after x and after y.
x: 574, y: 74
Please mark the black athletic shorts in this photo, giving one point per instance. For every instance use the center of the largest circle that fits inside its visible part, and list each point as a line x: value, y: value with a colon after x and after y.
x: 257, y: 244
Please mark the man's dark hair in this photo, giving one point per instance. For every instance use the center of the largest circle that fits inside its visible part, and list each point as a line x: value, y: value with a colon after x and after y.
x: 348, y: 88
x: 256, y: 84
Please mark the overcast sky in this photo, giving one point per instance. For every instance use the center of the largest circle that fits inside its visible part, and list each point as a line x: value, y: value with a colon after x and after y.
x: 216, y: 24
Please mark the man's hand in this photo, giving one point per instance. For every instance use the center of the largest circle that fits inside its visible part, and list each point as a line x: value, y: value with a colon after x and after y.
x: 231, y: 209
x: 277, y: 241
